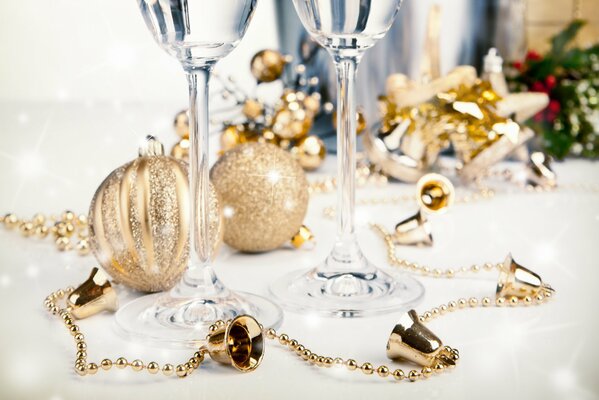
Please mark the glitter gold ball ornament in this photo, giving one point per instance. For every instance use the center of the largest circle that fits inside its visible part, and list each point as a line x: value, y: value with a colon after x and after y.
x: 264, y: 196
x: 309, y: 152
x: 268, y: 65
x: 139, y: 221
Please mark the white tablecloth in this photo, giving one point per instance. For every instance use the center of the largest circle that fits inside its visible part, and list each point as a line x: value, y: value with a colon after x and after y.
x: 53, y: 156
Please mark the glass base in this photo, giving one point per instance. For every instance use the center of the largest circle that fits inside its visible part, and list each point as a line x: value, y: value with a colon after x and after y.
x: 347, y: 294
x: 163, y: 319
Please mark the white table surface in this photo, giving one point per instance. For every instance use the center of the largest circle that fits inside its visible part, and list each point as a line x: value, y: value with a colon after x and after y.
x: 52, y: 157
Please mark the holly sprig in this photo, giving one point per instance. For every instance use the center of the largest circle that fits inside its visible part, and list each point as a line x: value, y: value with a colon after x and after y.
x: 569, y: 126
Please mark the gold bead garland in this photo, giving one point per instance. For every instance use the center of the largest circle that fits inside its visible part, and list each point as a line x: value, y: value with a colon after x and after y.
x: 83, y: 367
x: 69, y: 231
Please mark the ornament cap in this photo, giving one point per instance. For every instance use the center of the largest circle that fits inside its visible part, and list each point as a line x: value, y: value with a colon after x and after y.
x: 151, y: 147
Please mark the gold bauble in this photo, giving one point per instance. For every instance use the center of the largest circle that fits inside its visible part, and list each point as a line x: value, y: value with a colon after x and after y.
x: 264, y: 196
x: 180, y: 151
x: 181, y: 124
x: 252, y: 109
x: 292, y: 123
x: 139, y: 221
x: 309, y: 152
x: 268, y: 65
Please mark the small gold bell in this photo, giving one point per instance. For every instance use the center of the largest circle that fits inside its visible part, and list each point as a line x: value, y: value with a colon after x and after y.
x: 415, y: 230
x: 304, y: 235
x: 539, y: 172
x: 412, y: 341
x: 239, y: 343
x: 515, y: 280
x: 94, y: 295
x: 435, y: 193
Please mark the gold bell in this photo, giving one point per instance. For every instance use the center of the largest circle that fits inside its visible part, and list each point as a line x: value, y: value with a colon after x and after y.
x: 415, y: 230
x: 435, y: 193
x: 239, y: 343
x: 412, y: 341
x: 94, y: 295
x: 515, y: 280
x: 539, y: 172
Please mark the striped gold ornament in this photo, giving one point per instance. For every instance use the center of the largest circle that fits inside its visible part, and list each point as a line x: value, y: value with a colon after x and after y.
x: 139, y: 221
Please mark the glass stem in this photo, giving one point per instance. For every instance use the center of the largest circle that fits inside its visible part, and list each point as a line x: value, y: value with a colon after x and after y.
x: 346, y: 248
x: 198, y: 273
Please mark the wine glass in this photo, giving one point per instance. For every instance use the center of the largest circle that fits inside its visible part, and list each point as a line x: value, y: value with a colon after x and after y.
x: 198, y: 33
x: 346, y: 284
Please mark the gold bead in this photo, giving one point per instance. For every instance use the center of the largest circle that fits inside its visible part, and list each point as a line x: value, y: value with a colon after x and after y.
x: 284, y: 339
x: 313, y: 358
x: 383, y: 371
x: 79, y: 337
x: 427, y: 372
x: 438, y: 368
x: 74, y: 330
x: 153, y: 368
x: 27, y: 229
x: 450, y: 273
x: 195, y: 363
x: 63, y: 243
x: 81, y: 346
x: 320, y: 361
x: 427, y: 315
x: 271, y: 333
x: 488, y: 266
x: 299, y: 348
x: 328, y: 362
x: 181, y: 371
x: 81, y: 354
x: 92, y: 368
x: 414, y: 375
x: 473, y: 302
x: 500, y: 301
x: 513, y: 301
x: 189, y: 367
x: 168, y: 369
x: 452, y: 305
x: 83, y: 247
x: 539, y: 297
x: 121, y: 362
x: 106, y: 364
x: 68, y: 216
x: 10, y: 221
x: 398, y: 374
x: 306, y: 354
x: 435, y: 311
x: 292, y: 344
x: 268, y: 65
x: 367, y: 368
x: 137, y: 365
x: 547, y: 294
x: 462, y: 303
x: 486, y: 302
x: 351, y: 364
x: 81, y: 370
x: 527, y: 300
x: 199, y: 355
x: 338, y: 361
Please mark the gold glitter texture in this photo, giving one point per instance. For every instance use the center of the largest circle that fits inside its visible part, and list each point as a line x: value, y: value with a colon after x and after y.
x: 264, y: 196
x: 139, y: 223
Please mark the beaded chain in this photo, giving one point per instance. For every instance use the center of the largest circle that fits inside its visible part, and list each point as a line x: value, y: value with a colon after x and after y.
x: 70, y: 231
x: 83, y: 367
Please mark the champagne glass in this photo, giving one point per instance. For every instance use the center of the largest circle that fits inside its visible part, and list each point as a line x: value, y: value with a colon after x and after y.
x: 346, y: 284
x: 198, y: 33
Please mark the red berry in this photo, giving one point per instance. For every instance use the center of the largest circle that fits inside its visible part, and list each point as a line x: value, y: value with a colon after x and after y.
x: 550, y: 81
x: 538, y: 117
x: 518, y: 65
x: 554, y: 106
x: 533, y: 56
x: 538, y: 87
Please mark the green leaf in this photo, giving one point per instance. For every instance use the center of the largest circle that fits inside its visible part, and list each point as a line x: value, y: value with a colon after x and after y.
x: 561, y: 40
